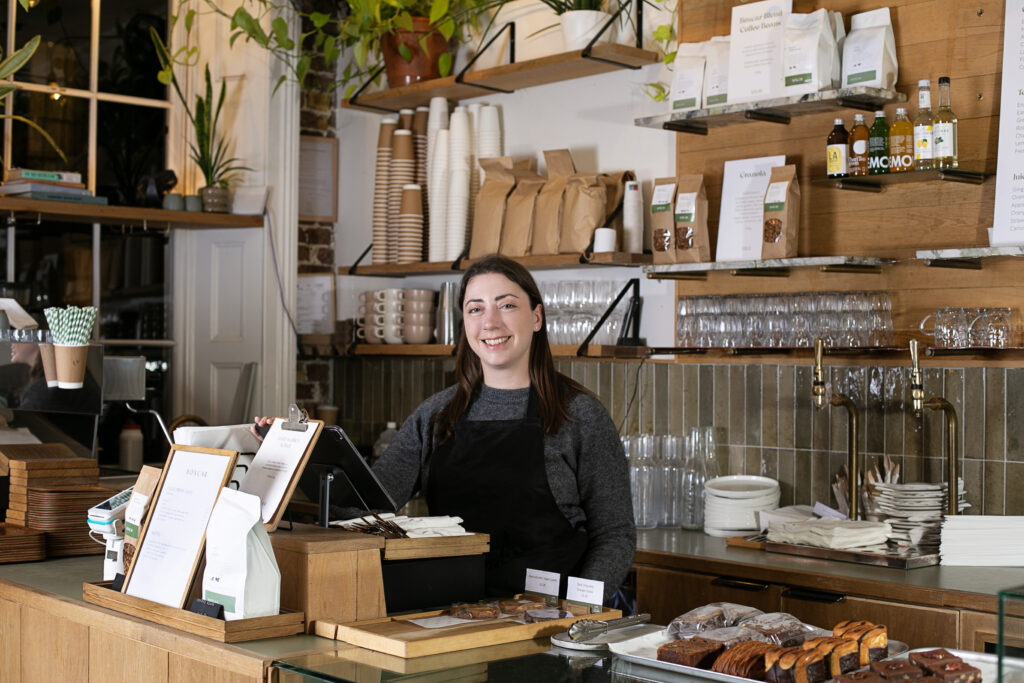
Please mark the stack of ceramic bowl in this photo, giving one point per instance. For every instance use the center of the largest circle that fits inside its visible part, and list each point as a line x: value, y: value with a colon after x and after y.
x: 731, y: 503
x: 409, y: 227
x: 419, y: 316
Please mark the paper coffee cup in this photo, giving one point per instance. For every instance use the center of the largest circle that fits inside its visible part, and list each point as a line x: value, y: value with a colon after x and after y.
x: 604, y: 240
x: 49, y: 364
x: 329, y: 414
x: 70, y: 361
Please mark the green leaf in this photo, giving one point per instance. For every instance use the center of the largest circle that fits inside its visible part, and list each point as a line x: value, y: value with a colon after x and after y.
x: 280, y: 82
x: 6, y: 89
x: 331, y: 50
x: 359, y: 52
x: 404, y: 50
x: 438, y: 8
x: 444, y: 63
x: 403, y: 21
x: 669, y: 58
x: 190, y: 17
x: 447, y: 28
x: 350, y: 90
x: 663, y: 33
x: 165, y: 75
x: 302, y: 68
x: 24, y: 4
x: 247, y: 23
x: 38, y: 129
x: 319, y: 19
x: 280, y: 29
x: 19, y: 57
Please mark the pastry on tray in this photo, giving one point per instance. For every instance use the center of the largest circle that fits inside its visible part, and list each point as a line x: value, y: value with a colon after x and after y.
x: 475, y: 611
x: 897, y: 670
x: 520, y: 605
x: 781, y: 628
x: 955, y: 672
x: 865, y: 676
x: 872, y: 639
x: 795, y: 665
x: 936, y: 656
x: 532, y: 616
x: 843, y: 654
x: 694, y: 651
x: 746, y: 659
x: 732, y: 635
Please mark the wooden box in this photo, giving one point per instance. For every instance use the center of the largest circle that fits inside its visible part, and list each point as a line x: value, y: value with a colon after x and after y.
x: 238, y: 631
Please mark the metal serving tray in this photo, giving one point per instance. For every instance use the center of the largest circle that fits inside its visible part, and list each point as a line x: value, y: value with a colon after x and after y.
x: 988, y: 664
x: 895, y: 560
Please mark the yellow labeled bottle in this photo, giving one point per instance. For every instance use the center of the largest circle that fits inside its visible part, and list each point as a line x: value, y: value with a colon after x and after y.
x: 945, y: 129
x: 901, y: 143
x: 858, y: 146
x: 837, y: 151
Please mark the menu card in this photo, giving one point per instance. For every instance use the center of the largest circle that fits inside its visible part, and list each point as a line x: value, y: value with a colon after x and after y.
x: 755, y: 51
x: 744, y: 183
x: 1008, y: 228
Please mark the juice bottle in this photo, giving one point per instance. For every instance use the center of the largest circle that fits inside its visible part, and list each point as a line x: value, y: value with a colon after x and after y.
x: 924, y: 138
x: 837, y: 151
x: 945, y: 129
x: 858, y: 146
x: 901, y: 143
x: 878, y: 145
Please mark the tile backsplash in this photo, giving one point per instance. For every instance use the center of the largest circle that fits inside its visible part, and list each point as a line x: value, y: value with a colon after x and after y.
x: 763, y: 414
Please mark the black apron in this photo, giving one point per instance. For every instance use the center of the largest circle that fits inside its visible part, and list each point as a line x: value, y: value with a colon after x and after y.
x: 491, y: 473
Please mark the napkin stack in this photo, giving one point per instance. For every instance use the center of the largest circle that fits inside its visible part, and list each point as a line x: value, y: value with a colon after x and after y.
x: 415, y: 527
x: 836, y: 534
x: 982, y: 541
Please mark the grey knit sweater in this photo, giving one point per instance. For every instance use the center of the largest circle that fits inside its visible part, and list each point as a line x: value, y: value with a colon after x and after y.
x: 586, y: 467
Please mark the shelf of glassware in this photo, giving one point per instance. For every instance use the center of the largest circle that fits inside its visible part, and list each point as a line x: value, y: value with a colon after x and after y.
x: 778, y: 110
x: 73, y: 212
x: 768, y: 267
x: 537, y: 262
x: 877, y: 183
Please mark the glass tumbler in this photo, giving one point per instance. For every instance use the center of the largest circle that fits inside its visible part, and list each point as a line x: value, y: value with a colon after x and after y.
x: 643, y: 476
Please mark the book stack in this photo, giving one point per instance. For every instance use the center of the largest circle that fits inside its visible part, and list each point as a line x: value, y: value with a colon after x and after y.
x: 59, y: 186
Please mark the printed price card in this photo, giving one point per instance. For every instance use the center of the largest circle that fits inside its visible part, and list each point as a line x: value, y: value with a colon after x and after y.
x: 586, y: 592
x: 543, y: 583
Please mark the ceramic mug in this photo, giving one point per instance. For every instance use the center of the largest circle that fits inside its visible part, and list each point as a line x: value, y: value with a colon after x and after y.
x: 389, y: 294
x: 369, y: 335
x: 389, y: 319
x: 418, y: 334
x: 390, y: 306
x: 366, y: 296
x: 419, y: 319
x: 419, y: 295
x: 391, y: 334
x: 419, y: 307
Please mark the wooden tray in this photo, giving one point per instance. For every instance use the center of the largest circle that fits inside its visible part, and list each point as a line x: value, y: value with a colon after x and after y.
x: 396, y: 636
x: 238, y: 631
x: 436, y: 546
x: 892, y: 560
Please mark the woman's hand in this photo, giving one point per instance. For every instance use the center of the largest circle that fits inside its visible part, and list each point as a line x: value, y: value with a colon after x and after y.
x: 258, y: 423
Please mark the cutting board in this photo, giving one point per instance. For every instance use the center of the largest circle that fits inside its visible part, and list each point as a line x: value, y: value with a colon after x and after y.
x: 396, y: 636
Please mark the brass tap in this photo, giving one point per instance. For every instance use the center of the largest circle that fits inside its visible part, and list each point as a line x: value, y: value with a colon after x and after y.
x: 916, y: 383
x: 852, y: 422
x: 952, y: 452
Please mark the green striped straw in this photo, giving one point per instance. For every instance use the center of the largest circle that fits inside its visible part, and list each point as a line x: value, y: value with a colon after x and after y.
x: 71, y: 326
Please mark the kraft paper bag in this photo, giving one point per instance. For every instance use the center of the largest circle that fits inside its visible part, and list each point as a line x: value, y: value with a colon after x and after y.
x: 136, y: 511
x: 615, y: 191
x: 547, y: 226
x: 781, y: 214
x: 692, y: 244
x: 489, y: 215
x: 241, y: 570
x: 583, y: 211
x: 520, y: 210
x: 663, y: 222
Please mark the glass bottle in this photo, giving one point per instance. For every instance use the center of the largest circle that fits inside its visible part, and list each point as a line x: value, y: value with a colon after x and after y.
x: 901, y: 143
x: 642, y: 478
x: 924, y: 135
x: 858, y: 146
x: 837, y: 151
x: 945, y: 129
x: 878, y: 145
x: 672, y: 453
x: 693, y: 482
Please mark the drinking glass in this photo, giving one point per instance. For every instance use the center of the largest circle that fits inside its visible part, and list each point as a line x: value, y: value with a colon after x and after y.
x: 643, y: 481
x: 672, y: 453
x: 993, y: 328
x: 692, y: 513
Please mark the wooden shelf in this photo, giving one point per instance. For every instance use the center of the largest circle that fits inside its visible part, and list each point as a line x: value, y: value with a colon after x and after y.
x: 442, y: 350
x: 70, y: 212
x: 778, y: 110
x: 539, y: 262
x: 768, y: 267
x: 877, y: 183
x: 510, y: 77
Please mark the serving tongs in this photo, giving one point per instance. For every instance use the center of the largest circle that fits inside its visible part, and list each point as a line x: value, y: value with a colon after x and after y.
x: 587, y: 629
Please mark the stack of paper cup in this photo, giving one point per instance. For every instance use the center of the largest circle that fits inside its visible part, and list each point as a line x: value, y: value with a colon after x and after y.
x: 475, y: 178
x: 403, y: 172
x: 437, y: 120
x: 438, y: 220
x: 419, y: 132
x: 410, y: 225
x: 459, y: 162
x: 380, y: 189
x: 488, y: 133
x: 405, y: 117
x: 633, y: 219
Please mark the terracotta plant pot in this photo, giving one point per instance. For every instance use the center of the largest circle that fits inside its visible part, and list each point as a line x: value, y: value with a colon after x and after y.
x: 215, y: 199
x: 422, y: 66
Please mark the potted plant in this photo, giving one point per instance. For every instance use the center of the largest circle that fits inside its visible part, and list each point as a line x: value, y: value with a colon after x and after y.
x: 209, y: 151
x: 581, y: 20
x: 9, y: 66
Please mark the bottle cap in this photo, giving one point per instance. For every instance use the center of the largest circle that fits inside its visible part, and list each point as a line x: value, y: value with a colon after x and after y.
x: 837, y: 122
x: 858, y: 118
x: 943, y: 80
x: 924, y: 83
x: 901, y: 111
x: 879, y: 114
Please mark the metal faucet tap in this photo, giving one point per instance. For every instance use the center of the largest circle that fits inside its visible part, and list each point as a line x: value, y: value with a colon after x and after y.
x: 852, y: 422
x: 916, y: 383
x: 952, y: 452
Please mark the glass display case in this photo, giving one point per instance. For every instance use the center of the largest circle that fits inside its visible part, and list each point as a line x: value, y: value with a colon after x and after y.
x: 1011, y: 627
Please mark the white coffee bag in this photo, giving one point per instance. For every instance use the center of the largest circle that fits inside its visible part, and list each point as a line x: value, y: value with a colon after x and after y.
x: 687, y: 77
x: 241, y: 570
x: 839, y: 31
x: 716, y: 72
x: 810, y: 52
x: 869, y: 52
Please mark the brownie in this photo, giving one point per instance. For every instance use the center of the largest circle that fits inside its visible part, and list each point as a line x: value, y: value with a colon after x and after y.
x: 468, y: 611
x: 955, y: 672
x: 933, y: 657
x: 747, y: 659
x: 690, y: 652
x: 866, y: 676
x: 843, y: 654
x: 532, y: 616
x: 897, y: 670
x: 795, y: 665
x: 519, y: 606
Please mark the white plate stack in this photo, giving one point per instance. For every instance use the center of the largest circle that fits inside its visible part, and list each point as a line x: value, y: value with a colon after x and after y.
x: 731, y: 503
x: 459, y: 159
x: 983, y: 541
x: 915, y: 512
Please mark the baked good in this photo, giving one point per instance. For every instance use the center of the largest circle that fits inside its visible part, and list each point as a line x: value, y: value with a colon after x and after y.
x: 518, y: 606
x: 897, y: 670
x: 781, y: 628
x: 795, y: 665
x: 694, y: 651
x: 697, y: 619
x: 843, y: 654
x: 955, y: 672
x: 732, y: 635
x: 532, y: 616
x: 872, y: 639
x: 747, y: 659
x: 865, y: 676
x: 475, y: 611
x: 936, y: 656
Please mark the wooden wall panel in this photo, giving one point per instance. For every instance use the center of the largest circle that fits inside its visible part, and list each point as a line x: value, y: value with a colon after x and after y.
x: 185, y: 670
x: 53, y: 648
x: 116, y: 658
x: 10, y: 641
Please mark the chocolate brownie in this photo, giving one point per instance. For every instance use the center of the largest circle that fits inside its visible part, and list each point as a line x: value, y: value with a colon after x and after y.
x: 955, y: 672
x: 471, y: 611
x: 897, y: 670
x: 843, y: 654
x: 795, y: 665
x: 690, y: 652
x: 866, y: 676
x: 933, y: 657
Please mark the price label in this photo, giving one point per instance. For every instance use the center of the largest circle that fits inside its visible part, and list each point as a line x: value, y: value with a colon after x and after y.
x: 586, y: 592
x: 543, y: 583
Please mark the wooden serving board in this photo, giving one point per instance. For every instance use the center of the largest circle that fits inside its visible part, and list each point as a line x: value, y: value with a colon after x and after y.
x: 436, y: 546
x: 396, y: 636
x: 238, y: 631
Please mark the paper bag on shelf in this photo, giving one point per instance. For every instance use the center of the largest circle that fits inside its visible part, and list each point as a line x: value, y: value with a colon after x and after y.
x: 583, y: 211
x: 615, y: 192
x: 520, y: 213
x: 692, y: 244
x: 547, y: 226
x: 490, y: 206
x: 663, y: 220
x: 781, y: 214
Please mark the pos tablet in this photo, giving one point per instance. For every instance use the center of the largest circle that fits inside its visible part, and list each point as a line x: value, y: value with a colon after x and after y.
x: 354, y: 485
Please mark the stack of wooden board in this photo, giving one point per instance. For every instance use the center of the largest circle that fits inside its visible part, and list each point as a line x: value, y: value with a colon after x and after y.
x: 21, y: 544
x: 61, y: 512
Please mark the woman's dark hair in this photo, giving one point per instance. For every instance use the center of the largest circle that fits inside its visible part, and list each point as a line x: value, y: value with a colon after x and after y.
x: 554, y: 390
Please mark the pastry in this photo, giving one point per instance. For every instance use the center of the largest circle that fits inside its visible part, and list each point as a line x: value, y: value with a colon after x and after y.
x: 897, y: 670
x: 872, y: 639
x: 697, y: 619
x: 732, y: 635
x: 532, y: 616
x: 518, y: 606
x: 475, y: 611
x: 936, y: 656
x: 866, y: 676
x: 781, y: 628
x: 695, y: 651
x: 795, y: 665
x: 843, y: 654
x: 746, y: 659
x: 955, y: 672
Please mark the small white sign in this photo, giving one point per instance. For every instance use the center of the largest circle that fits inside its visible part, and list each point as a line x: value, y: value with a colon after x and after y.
x: 755, y: 50
x: 740, y: 230
x: 585, y: 592
x: 544, y: 583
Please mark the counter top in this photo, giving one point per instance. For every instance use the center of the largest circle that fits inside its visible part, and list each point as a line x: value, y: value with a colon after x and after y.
x: 958, y: 587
